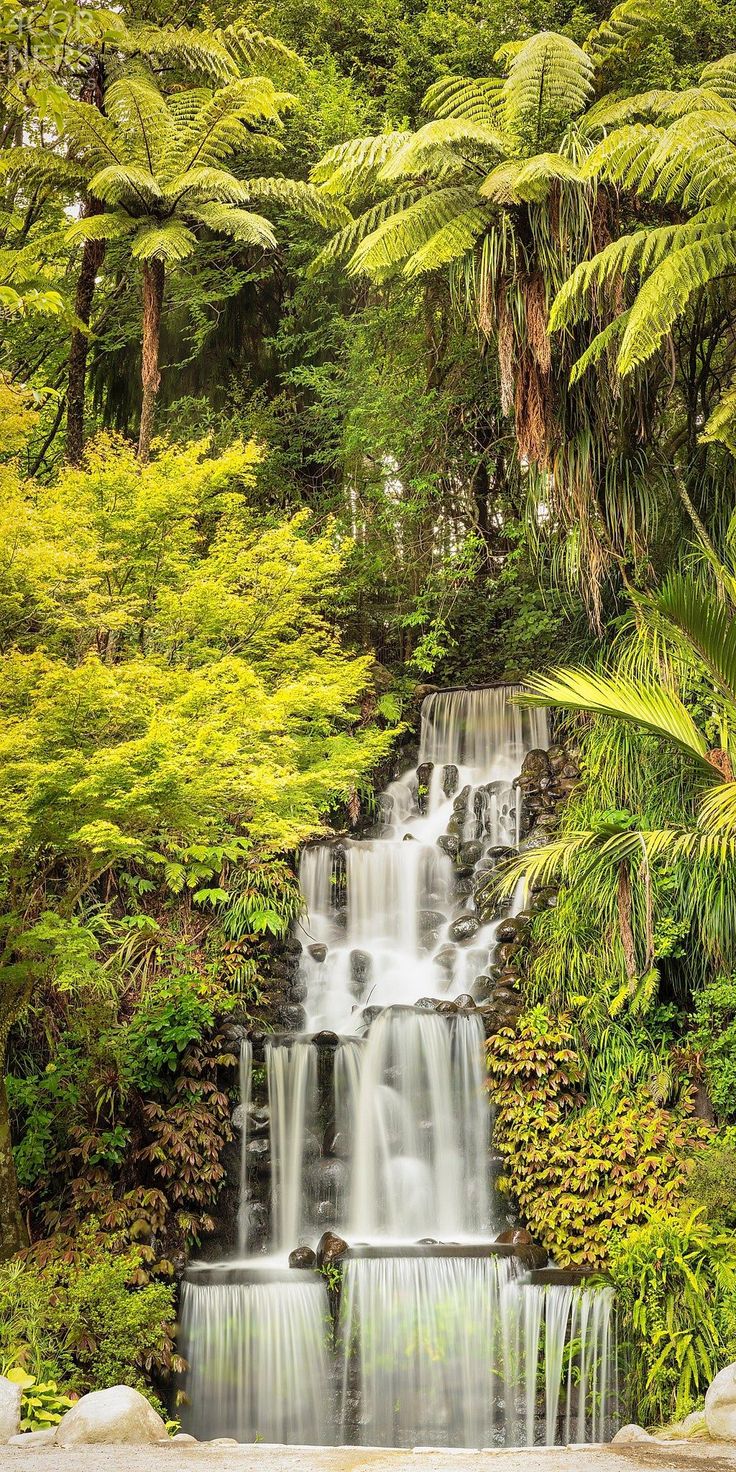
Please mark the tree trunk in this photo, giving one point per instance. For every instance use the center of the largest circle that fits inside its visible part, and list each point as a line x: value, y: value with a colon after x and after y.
x: 13, y: 1233
x: 92, y: 258
x: 153, y: 295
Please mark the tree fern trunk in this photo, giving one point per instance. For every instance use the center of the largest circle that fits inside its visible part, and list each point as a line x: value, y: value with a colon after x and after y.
x: 92, y: 258
x: 153, y: 296
x: 13, y: 1234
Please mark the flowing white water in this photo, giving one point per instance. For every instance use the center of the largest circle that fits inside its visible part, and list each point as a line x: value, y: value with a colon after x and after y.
x: 380, y: 1130
x: 260, y: 1369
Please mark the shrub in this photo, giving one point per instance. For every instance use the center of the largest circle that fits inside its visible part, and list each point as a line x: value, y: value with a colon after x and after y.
x: 675, y: 1280
x: 78, y: 1321
x: 579, y: 1173
x: 714, y: 1037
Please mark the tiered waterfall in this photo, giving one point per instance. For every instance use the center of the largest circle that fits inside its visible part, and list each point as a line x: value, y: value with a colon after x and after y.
x: 426, y: 1331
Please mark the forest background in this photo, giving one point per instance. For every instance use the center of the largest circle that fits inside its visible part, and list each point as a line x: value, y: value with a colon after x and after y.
x: 347, y: 348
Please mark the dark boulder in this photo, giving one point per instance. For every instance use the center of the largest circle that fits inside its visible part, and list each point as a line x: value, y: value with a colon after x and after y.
x: 465, y: 1003
x: 330, y: 1249
x: 469, y: 853
x: 318, y: 952
x: 462, y: 930
x: 449, y: 843
x: 303, y: 1257
x: 450, y: 780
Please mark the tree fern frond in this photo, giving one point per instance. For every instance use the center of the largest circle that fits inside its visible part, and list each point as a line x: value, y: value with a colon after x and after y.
x: 651, y: 707
x: 37, y: 166
x: 139, y: 114
x: 602, y: 343
x: 346, y: 240
x: 217, y: 129
x: 667, y: 291
x: 241, y: 225
x: 86, y: 129
x: 305, y: 198
x: 694, y: 162
x: 615, y: 112
x: 625, y: 22
x: 549, y: 78
x: 115, y: 184
x: 475, y: 99
x: 720, y: 76
x: 529, y: 180
x: 168, y: 243
x: 107, y: 226
x: 251, y: 49
x: 200, y: 50
x: 451, y: 241
x: 623, y: 155
x: 356, y: 163
x: 441, y: 134
x: 720, y: 427
x: 207, y: 182
x: 402, y: 235
x: 691, y: 99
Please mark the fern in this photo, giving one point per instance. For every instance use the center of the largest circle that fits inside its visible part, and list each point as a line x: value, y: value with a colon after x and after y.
x: 549, y: 78
x: 666, y: 293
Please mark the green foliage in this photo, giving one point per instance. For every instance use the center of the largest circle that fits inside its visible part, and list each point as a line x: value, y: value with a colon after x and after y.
x: 675, y: 1280
x: 712, y: 1184
x: 42, y: 1404
x: 579, y: 1172
x: 75, y: 1319
x: 714, y: 1039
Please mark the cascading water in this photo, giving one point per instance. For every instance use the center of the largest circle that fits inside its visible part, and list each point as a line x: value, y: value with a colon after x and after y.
x: 380, y: 1131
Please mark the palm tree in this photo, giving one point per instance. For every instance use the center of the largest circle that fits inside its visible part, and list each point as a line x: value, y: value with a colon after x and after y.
x: 690, y: 630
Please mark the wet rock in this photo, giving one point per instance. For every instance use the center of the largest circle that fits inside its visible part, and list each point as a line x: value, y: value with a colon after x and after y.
x: 298, y: 991
x: 460, y: 804
x: 498, y: 853
x: 450, y: 780
x: 294, y: 1018
x: 465, y: 1003
x: 456, y: 826
x: 318, y: 952
x: 516, y: 1236
x: 482, y: 989
x: 429, y: 922
x: 505, y: 954
x: 446, y: 1008
x: 424, y: 781
x: 446, y: 959
x: 330, y: 1249
x: 258, y: 1154
x: 507, y: 931
x: 118, y: 1415
x: 292, y: 946
x: 303, y: 1257
x: 570, y: 771
x: 361, y: 967
x: 503, y: 996
x: 462, y: 931
x: 427, y: 1004
x: 369, y: 1015
x: 449, y: 843
x: 534, y: 767
x: 238, y: 1118
x: 234, y: 1032
x: 258, y: 1222
x: 469, y: 853
x: 326, y: 1039
x: 259, y: 1119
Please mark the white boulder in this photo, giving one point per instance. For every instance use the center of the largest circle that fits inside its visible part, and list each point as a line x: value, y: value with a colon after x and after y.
x: 720, y: 1405
x: 630, y: 1433
x: 9, y: 1409
x: 117, y: 1415
x: 29, y: 1439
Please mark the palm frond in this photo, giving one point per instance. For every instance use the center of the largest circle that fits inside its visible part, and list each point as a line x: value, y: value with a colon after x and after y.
x: 708, y: 625
x: 653, y: 708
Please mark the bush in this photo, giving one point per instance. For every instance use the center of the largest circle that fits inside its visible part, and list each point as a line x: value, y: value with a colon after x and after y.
x: 579, y: 1173
x: 714, y: 1037
x: 712, y: 1184
x: 675, y: 1280
x: 77, y: 1320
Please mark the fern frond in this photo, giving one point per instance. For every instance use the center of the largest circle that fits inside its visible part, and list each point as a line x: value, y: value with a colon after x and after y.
x: 441, y: 136
x: 626, y: 22
x: 667, y: 291
x: 204, y: 182
x: 107, y: 226
x: 356, y: 164
x: 474, y: 99
x: 202, y: 51
x: 720, y: 427
x: 253, y: 50
x: 530, y: 180
x: 615, y: 112
x: 549, y: 78
x: 601, y: 344
x: 139, y: 114
x: 344, y: 243
x: 450, y: 242
x: 168, y: 243
x: 303, y: 198
x: 217, y: 129
x: 241, y: 225
x: 88, y: 132
x: 401, y: 236
x: 720, y: 76
x: 622, y: 157
x: 115, y: 184
x: 39, y: 166
x: 694, y: 162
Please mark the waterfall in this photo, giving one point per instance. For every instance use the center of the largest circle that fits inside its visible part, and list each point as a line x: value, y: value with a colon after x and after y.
x: 380, y: 1131
x: 246, y: 1094
x: 292, y: 1097
x: 259, y: 1361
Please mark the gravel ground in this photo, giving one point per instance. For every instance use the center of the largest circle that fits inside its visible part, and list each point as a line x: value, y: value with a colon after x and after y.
x: 661, y: 1457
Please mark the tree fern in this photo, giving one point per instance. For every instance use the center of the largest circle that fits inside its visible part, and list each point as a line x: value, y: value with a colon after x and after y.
x: 665, y: 294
